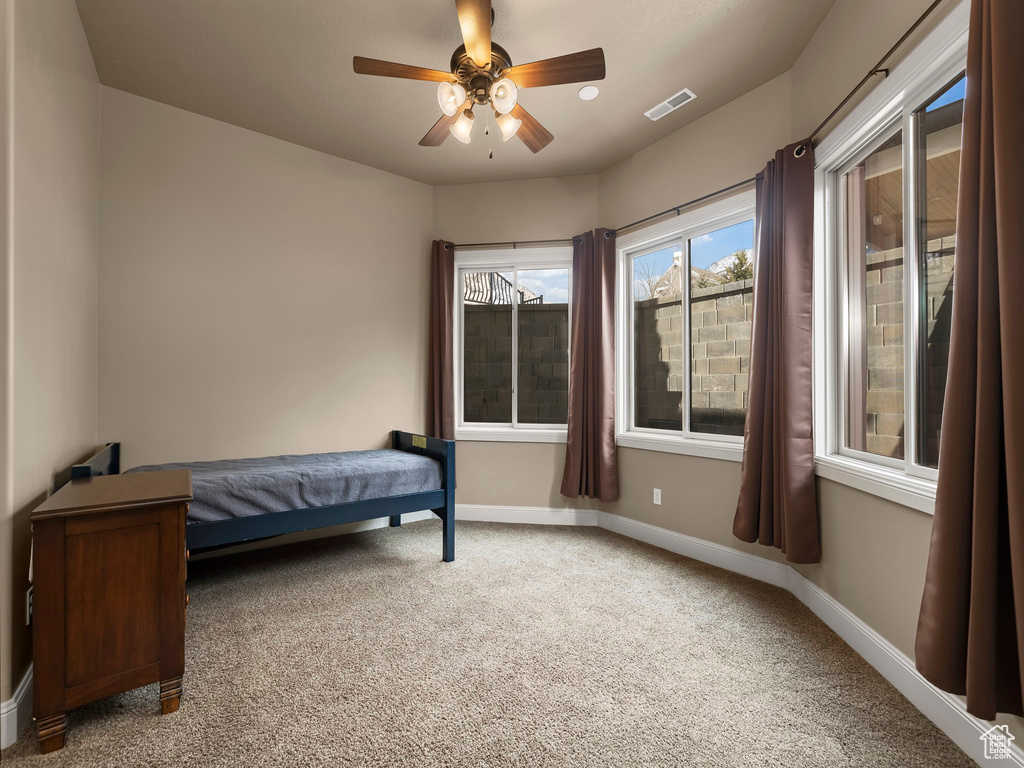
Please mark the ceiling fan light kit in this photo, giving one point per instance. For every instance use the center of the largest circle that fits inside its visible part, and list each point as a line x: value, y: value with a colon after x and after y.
x: 482, y: 74
x: 451, y: 97
x: 463, y: 127
x: 508, y: 125
x: 504, y: 95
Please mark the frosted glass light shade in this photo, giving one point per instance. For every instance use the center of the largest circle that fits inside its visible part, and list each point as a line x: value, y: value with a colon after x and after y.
x: 450, y: 96
x: 503, y: 95
x: 463, y: 127
x: 508, y: 125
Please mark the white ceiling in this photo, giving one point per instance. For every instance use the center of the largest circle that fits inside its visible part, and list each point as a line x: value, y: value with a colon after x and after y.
x: 284, y: 68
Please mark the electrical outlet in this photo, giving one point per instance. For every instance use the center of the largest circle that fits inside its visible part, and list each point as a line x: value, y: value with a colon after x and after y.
x: 28, y: 606
x: 657, y: 495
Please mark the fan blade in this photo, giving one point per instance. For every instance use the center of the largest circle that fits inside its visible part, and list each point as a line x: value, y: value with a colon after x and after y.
x: 475, y: 21
x: 533, y: 134
x: 439, y: 132
x: 571, y: 68
x: 364, y: 66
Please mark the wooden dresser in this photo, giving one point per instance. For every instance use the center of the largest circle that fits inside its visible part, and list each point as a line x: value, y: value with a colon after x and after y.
x: 109, y: 593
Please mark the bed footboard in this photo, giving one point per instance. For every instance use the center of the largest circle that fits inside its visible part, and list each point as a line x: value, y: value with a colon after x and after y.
x: 443, y: 452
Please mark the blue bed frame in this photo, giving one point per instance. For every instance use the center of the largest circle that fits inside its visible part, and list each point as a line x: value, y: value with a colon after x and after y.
x: 222, y: 533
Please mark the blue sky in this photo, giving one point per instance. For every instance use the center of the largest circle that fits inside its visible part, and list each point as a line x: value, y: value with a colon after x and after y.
x: 707, y: 249
x: 955, y: 93
x: 552, y: 284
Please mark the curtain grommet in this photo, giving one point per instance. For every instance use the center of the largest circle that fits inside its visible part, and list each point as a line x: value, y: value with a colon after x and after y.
x: 800, y: 150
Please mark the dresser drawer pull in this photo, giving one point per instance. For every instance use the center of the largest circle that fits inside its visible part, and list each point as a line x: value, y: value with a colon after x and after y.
x: 186, y: 599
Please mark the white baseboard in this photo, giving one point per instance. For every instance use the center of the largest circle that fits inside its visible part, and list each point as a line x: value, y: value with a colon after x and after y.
x: 946, y: 711
x: 16, y: 711
x: 533, y: 515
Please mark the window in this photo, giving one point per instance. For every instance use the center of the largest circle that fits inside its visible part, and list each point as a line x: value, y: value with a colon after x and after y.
x: 939, y: 126
x: 898, y: 283
x: 685, y: 313
x: 513, y: 305
x: 875, y: 381
x: 886, y: 179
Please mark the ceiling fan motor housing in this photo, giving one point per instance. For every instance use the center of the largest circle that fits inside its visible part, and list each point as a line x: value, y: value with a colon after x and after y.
x: 477, y: 80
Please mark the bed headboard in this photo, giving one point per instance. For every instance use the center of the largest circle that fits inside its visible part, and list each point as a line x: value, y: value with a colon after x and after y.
x: 104, y: 462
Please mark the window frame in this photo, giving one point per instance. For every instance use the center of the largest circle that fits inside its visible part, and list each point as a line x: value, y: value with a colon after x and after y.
x: 934, y: 64
x: 512, y: 260
x: 679, y: 230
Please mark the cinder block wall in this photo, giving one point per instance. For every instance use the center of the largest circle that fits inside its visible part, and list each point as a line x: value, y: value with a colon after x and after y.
x: 720, y: 337
x: 720, y: 319
x: 884, y: 340
x: 543, y: 396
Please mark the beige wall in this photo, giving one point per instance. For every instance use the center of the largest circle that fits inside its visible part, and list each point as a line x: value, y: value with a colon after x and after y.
x: 535, y: 209
x: 724, y: 147
x: 52, y: 370
x: 851, y: 40
x: 256, y: 297
x: 6, y: 504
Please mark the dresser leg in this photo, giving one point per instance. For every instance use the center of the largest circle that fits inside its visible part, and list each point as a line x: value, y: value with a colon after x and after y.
x: 170, y: 695
x: 50, y: 731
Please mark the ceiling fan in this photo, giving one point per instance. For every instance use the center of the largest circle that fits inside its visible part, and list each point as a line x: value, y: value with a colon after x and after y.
x: 482, y: 75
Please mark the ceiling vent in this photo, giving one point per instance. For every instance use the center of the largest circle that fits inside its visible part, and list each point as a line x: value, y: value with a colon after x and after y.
x: 671, y: 104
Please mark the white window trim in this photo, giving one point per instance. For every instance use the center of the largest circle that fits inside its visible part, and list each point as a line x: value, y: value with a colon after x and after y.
x: 722, y: 213
x: 933, y: 63
x: 502, y: 259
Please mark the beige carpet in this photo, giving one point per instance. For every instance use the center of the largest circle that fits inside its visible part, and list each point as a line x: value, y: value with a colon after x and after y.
x: 540, y: 646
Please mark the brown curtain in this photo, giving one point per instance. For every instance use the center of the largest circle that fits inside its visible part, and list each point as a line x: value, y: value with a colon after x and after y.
x: 442, y: 287
x: 591, y: 466
x: 970, y: 633
x: 777, y: 505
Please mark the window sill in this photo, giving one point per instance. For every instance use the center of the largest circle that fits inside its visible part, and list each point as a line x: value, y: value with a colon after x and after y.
x: 892, y: 484
x: 711, y: 449
x: 508, y: 435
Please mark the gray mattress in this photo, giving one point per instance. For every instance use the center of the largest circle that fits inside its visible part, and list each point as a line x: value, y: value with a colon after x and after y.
x: 232, y: 488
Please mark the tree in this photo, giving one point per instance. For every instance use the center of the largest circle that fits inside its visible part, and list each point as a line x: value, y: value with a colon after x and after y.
x: 741, y: 268
x: 645, y: 278
x: 702, y: 281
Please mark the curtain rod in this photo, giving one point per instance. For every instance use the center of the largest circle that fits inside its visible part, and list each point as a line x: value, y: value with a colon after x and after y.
x: 678, y: 208
x: 877, y: 69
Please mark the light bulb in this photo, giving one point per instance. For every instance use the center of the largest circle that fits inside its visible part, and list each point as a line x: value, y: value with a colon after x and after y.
x: 463, y: 127
x: 503, y: 95
x: 450, y: 96
x: 508, y: 125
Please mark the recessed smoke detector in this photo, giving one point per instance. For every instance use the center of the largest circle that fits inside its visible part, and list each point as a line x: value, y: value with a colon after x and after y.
x: 589, y: 92
x: 671, y: 104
